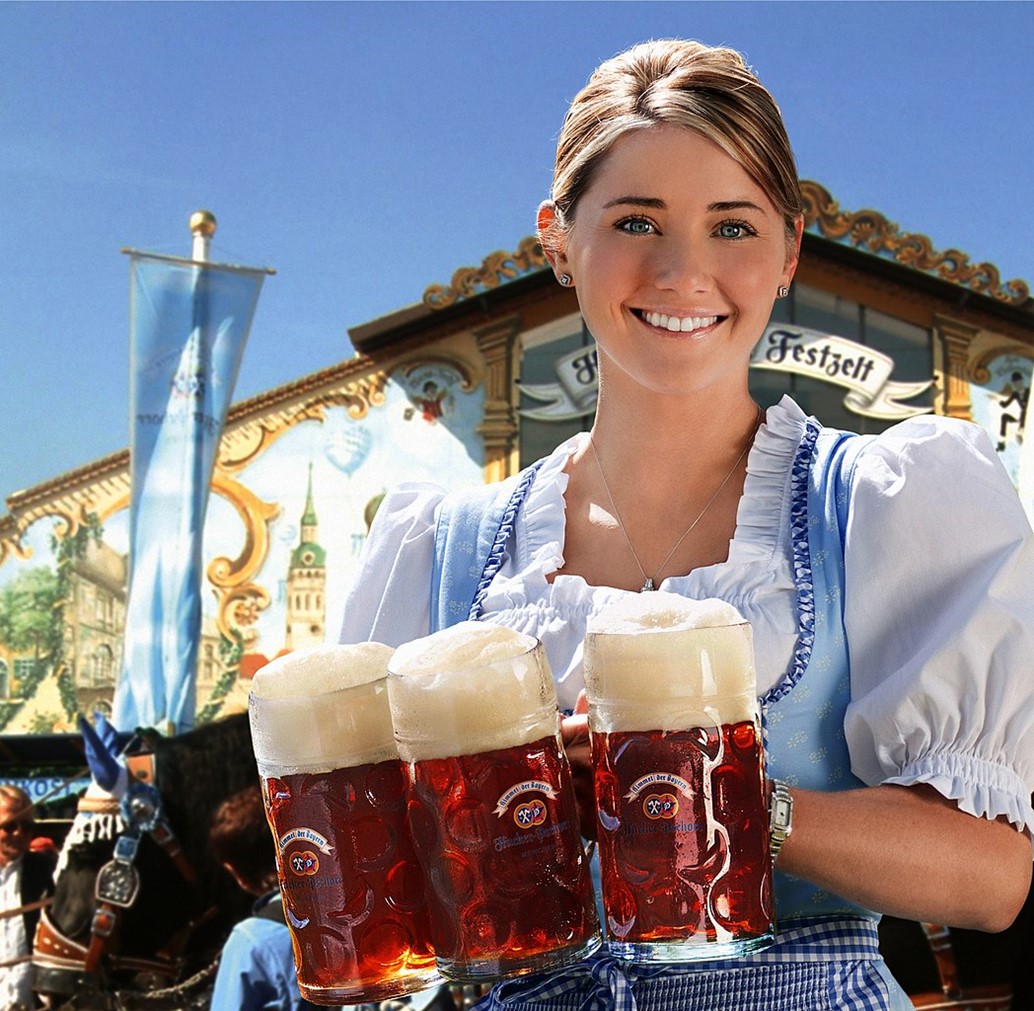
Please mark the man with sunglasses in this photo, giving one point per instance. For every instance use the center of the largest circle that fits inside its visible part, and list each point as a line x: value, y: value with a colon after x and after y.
x: 25, y: 877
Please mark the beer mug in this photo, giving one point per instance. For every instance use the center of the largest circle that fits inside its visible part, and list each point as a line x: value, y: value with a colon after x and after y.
x: 678, y: 769
x: 335, y: 797
x: 492, y: 805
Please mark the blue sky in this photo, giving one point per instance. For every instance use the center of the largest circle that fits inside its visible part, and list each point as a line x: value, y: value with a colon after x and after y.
x: 367, y: 150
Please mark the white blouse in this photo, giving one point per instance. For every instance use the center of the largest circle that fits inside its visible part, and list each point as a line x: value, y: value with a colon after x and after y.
x: 939, y: 561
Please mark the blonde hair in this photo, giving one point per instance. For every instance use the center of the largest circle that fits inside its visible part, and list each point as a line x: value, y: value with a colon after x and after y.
x: 707, y: 89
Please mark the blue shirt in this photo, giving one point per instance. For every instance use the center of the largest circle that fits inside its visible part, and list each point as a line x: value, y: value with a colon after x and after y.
x: 256, y: 971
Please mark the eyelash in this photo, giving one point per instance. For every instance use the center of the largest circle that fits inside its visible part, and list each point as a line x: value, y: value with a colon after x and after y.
x: 625, y: 225
x: 747, y: 228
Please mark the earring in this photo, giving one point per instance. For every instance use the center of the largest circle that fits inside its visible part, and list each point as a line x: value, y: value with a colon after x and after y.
x: 566, y: 280
x: 782, y: 291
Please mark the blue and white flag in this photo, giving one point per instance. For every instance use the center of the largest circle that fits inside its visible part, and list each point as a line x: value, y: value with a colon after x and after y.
x: 188, y: 325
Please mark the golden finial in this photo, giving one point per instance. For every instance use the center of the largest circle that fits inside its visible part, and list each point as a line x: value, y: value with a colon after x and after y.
x: 202, y: 223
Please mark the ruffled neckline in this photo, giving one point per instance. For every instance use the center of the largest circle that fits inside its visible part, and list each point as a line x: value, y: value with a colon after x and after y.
x: 759, y: 528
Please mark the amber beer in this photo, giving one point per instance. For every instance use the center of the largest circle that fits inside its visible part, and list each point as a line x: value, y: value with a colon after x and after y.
x: 679, y: 775
x: 492, y: 807
x: 335, y: 793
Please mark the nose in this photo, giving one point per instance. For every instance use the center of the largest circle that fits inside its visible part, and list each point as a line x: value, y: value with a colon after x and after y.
x: 683, y: 265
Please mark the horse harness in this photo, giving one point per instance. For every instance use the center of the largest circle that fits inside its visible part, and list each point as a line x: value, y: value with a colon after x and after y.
x: 64, y: 966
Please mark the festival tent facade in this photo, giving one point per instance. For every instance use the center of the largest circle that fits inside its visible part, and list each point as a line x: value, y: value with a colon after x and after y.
x: 481, y: 377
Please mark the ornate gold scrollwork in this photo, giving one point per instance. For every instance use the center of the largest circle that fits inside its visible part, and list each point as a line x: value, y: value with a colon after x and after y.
x: 497, y: 268
x: 980, y: 369
x: 240, y: 599
x: 872, y: 231
x: 247, y: 440
x: 470, y: 375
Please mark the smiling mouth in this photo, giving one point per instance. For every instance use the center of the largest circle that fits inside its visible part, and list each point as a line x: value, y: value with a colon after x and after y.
x: 676, y: 324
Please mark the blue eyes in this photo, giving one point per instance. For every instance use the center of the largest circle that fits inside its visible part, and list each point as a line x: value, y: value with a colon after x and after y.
x: 635, y: 226
x: 734, y: 230
x: 725, y: 230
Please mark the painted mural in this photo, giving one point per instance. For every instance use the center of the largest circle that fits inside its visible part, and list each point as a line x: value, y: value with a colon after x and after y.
x: 281, y: 543
x: 999, y: 397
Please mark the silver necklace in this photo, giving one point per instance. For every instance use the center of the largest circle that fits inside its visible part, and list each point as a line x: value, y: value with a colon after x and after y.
x: 650, y: 581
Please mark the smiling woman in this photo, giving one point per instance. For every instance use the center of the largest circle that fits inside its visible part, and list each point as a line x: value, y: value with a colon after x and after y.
x: 899, y: 742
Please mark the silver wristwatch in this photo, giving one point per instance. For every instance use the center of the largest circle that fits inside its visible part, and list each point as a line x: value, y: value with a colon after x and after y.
x: 780, y: 817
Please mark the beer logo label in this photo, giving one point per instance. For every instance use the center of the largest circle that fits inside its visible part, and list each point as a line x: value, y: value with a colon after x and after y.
x: 659, y: 779
x: 528, y: 786
x: 304, y: 863
x: 306, y: 835
x: 529, y: 815
x: 661, y: 805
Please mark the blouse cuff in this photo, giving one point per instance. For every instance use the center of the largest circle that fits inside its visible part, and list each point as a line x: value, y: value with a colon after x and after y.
x: 981, y: 788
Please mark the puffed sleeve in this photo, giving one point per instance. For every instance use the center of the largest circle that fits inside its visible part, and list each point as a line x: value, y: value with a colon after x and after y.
x: 939, y: 612
x: 389, y: 599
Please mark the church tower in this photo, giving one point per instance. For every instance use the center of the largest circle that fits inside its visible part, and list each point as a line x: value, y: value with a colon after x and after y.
x: 306, y: 583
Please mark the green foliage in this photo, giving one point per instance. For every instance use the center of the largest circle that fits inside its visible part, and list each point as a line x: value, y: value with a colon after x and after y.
x: 230, y: 653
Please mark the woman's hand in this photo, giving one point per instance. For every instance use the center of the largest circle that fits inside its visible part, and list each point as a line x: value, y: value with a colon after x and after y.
x: 574, y: 730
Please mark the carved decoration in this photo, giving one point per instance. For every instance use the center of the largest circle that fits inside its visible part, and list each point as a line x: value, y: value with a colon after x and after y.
x: 979, y: 368
x: 496, y: 269
x: 241, y: 600
x: 470, y: 374
x: 249, y: 439
x: 871, y: 231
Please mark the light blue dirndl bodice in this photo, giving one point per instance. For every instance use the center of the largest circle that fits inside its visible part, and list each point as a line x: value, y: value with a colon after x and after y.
x: 826, y: 954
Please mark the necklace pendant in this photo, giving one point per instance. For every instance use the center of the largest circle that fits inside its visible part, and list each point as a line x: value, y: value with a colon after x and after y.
x: 648, y: 585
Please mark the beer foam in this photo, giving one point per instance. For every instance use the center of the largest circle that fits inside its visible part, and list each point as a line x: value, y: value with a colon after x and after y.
x: 660, y: 661
x: 322, y: 708
x: 470, y: 688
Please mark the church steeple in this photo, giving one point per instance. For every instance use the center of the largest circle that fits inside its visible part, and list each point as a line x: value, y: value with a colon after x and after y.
x: 310, y: 524
x: 306, y: 582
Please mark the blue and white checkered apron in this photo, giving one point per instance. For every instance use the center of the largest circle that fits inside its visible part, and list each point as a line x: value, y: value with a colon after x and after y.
x: 815, y: 965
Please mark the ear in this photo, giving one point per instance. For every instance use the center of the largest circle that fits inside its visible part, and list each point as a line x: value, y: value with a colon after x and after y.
x: 793, y: 256
x: 107, y: 771
x: 551, y: 237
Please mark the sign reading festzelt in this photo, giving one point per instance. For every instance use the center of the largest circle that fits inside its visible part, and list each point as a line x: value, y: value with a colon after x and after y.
x: 863, y: 371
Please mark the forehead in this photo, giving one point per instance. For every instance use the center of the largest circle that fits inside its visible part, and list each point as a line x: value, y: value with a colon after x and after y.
x: 9, y: 807
x: 667, y: 162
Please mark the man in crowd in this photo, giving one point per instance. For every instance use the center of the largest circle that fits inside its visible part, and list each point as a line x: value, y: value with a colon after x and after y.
x: 26, y: 877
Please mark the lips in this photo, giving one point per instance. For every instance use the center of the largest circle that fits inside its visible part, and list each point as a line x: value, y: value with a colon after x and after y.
x: 676, y: 324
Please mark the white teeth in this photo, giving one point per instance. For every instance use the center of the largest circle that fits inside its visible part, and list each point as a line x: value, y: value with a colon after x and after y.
x: 677, y: 324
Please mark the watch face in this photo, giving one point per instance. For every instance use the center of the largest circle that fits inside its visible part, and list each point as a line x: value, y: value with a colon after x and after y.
x: 782, y: 811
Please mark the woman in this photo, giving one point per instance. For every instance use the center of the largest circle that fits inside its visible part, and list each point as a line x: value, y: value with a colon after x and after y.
x: 676, y: 216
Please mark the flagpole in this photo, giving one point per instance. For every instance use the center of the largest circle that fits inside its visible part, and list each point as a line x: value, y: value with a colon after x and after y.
x: 202, y: 227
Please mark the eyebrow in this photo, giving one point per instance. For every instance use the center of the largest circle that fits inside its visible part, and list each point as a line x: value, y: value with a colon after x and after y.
x: 658, y: 204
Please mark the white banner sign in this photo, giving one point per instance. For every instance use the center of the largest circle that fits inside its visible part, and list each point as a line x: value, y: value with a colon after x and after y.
x: 864, y: 371
x: 574, y: 393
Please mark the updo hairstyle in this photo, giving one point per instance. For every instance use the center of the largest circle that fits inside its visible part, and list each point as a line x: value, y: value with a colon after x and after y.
x: 703, y: 88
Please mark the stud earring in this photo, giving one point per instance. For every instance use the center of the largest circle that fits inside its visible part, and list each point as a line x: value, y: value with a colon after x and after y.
x: 566, y: 280
x: 783, y: 290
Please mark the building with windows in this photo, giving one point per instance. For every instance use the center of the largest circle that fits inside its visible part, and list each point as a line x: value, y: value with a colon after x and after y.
x: 494, y: 369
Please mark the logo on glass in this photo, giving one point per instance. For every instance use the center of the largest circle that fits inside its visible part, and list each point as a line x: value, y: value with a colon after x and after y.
x: 305, y: 863
x: 529, y: 815
x: 661, y: 805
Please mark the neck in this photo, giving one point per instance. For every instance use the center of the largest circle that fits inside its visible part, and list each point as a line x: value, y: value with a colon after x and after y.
x: 666, y: 442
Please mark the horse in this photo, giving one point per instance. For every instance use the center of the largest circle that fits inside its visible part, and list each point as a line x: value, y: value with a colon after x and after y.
x: 141, y: 908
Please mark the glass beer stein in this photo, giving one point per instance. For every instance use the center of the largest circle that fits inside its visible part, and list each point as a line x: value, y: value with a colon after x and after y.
x: 335, y: 796
x: 678, y: 769
x: 492, y: 807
